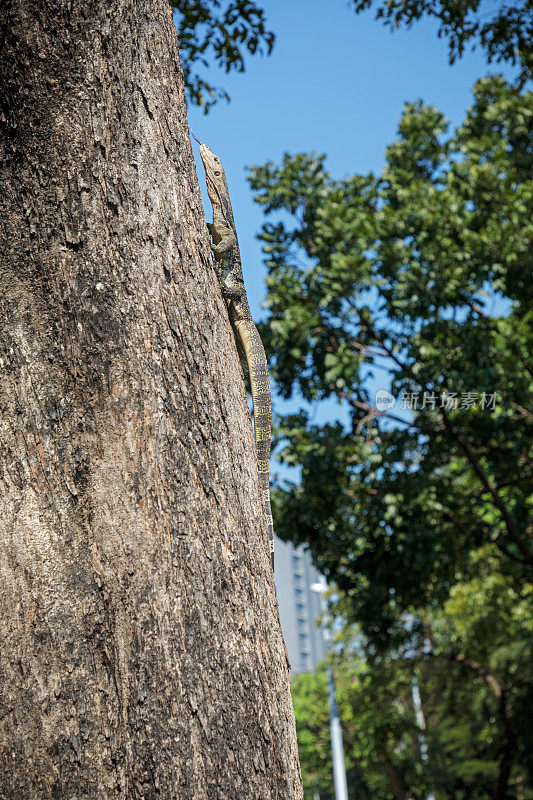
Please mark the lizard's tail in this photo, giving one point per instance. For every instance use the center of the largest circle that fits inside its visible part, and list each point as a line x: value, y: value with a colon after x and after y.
x: 257, y: 367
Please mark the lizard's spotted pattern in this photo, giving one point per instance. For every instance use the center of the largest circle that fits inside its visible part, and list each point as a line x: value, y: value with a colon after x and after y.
x: 229, y: 270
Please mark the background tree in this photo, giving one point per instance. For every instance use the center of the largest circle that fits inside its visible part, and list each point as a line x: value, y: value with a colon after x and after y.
x: 211, y: 31
x: 425, y: 252
x: 223, y: 31
x: 141, y: 653
x: 474, y: 690
x: 504, y: 30
x: 423, y: 272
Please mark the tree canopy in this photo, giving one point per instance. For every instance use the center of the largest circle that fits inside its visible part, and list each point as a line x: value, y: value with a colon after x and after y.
x: 504, y: 30
x: 220, y: 32
x: 225, y: 32
x: 419, y: 508
x: 473, y: 681
x: 424, y: 271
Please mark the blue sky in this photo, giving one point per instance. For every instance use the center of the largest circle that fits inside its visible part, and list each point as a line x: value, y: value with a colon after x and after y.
x: 335, y: 83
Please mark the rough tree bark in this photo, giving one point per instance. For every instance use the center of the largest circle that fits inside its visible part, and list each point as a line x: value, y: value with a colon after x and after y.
x: 141, y: 652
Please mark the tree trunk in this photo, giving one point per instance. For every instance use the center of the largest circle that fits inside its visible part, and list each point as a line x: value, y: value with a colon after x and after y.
x: 141, y: 652
x: 508, y: 750
x: 397, y: 784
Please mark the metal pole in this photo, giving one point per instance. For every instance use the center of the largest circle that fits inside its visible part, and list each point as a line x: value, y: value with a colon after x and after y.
x: 337, y: 747
x: 421, y: 722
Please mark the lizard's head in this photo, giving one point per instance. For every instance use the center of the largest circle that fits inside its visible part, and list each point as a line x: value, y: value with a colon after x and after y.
x: 214, y: 173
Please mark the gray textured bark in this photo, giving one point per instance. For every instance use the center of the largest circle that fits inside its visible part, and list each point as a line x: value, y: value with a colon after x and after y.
x: 141, y: 653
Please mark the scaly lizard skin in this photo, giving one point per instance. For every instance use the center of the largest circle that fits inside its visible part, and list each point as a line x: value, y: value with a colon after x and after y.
x: 229, y: 270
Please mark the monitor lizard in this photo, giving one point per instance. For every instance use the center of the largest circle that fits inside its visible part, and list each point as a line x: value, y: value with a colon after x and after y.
x: 229, y: 272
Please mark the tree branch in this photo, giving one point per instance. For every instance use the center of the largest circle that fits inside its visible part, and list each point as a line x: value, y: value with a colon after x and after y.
x: 374, y: 411
x: 510, y: 524
x: 478, y: 310
x: 472, y: 665
x: 451, y: 430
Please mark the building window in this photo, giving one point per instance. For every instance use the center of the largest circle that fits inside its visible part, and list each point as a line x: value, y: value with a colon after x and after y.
x: 297, y: 568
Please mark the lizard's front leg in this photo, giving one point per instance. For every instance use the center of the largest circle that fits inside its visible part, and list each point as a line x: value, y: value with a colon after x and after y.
x: 224, y: 245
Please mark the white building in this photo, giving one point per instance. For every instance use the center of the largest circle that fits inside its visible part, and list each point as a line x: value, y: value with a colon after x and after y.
x: 299, y: 606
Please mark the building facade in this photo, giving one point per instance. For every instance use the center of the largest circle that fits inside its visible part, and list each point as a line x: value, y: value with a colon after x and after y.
x: 299, y: 606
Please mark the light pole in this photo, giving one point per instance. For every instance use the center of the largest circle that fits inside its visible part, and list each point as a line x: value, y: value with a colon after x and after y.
x: 421, y: 722
x: 337, y: 748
